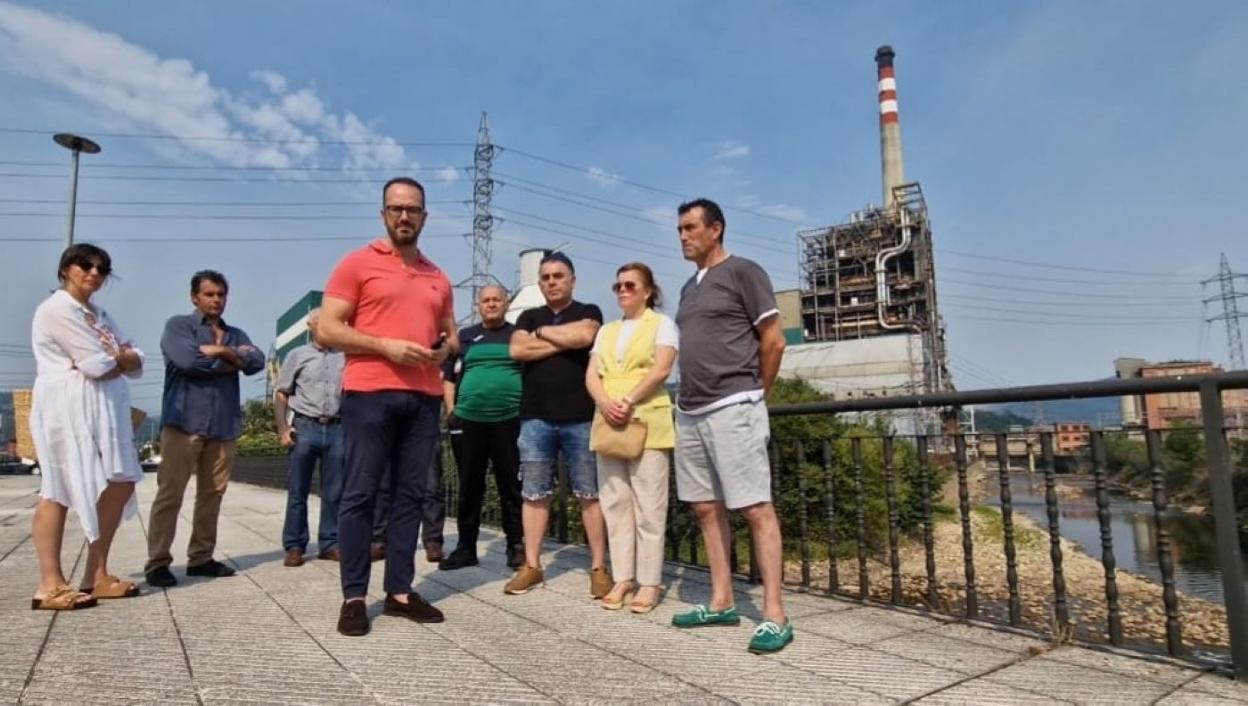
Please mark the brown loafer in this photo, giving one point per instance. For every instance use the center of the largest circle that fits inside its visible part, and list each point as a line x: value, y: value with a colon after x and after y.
x: 600, y: 582
x: 415, y: 609
x: 433, y: 552
x: 331, y: 554
x: 294, y: 557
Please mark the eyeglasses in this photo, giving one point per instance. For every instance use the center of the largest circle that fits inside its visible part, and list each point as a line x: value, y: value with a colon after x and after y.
x: 88, y: 265
x: 625, y: 286
x: 413, y: 211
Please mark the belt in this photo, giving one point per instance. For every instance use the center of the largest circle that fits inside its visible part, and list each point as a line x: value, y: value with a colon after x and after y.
x: 323, y: 421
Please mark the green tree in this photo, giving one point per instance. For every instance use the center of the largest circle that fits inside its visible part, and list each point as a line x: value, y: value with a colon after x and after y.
x: 259, y: 427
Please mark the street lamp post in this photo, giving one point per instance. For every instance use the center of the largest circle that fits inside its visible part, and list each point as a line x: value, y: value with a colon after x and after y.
x: 75, y: 144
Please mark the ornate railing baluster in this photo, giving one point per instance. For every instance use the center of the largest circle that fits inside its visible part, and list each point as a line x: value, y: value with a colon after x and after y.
x: 1055, y: 534
x: 1007, y: 527
x: 964, y: 510
x: 1114, y: 612
x: 829, y: 490
x: 929, y: 541
x: 860, y: 491
x: 803, y: 520
x: 1165, y: 561
x: 894, y: 521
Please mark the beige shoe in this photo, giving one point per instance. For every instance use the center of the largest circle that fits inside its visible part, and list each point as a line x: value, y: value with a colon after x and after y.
x: 600, y: 582
x: 525, y: 579
x: 615, y: 599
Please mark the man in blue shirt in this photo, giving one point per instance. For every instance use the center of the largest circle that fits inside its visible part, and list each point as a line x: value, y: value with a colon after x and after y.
x: 201, y: 418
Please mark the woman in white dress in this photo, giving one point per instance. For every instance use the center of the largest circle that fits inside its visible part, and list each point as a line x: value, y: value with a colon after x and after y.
x: 80, y: 422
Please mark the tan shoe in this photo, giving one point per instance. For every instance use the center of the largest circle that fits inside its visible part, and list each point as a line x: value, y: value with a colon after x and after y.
x: 620, y: 594
x: 526, y: 578
x: 600, y: 582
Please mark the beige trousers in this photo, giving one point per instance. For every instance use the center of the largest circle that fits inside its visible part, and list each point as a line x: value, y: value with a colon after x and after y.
x: 182, y: 454
x: 633, y: 498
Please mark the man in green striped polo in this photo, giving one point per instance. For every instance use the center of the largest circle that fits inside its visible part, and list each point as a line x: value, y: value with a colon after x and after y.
x: 482, y: 393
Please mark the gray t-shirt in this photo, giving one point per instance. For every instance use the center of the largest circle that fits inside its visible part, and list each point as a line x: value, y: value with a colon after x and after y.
x: 312, y: 377
x: 718, y: 342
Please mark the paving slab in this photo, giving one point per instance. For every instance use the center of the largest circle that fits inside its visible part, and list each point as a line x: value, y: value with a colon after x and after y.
x: 268, y: 635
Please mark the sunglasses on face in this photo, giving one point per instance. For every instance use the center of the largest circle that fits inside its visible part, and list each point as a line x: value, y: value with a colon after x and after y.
x: 100, y: 268
x: 624, y: 286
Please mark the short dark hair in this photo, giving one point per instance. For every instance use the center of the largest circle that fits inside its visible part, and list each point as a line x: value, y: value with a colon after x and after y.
x: 655, y: 300
x: 406, y: 181
x: 711, y: 213
x: 208, y: 276
x: 84, y: 254
x: 557, y: 256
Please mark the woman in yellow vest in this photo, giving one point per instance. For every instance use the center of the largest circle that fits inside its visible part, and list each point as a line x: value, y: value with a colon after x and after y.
x: 629, y: 362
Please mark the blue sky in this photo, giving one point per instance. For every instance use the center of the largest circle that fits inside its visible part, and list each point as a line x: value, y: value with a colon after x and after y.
x: 1093, y: 135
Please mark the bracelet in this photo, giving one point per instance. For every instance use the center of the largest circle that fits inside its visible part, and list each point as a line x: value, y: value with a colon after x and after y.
x: 628, y: 400
x: 537, y: 333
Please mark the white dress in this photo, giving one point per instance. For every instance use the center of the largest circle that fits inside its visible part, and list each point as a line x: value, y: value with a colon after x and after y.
x: 81, y: 424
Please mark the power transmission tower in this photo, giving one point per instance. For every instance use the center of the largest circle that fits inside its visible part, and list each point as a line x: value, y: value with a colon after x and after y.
x: 1230, y: 311
x: 482, y: 217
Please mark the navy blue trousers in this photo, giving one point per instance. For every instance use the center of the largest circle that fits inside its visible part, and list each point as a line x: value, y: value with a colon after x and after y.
x: 387, y: 432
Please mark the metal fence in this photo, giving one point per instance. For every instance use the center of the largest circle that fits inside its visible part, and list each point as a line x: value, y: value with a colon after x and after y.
x: 930, y: 521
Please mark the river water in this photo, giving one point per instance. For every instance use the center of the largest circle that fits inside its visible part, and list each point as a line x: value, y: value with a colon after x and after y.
x: 1132, y: 523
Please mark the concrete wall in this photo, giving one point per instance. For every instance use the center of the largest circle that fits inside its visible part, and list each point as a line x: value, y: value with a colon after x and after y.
x: 868, y: 367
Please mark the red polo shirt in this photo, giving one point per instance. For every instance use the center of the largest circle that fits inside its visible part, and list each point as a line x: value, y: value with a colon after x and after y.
x: 392, y: 300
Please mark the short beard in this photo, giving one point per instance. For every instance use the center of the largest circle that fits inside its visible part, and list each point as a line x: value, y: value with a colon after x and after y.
x: 398, y: 239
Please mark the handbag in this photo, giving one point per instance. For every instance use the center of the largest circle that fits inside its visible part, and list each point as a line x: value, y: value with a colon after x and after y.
x: 626, y: 441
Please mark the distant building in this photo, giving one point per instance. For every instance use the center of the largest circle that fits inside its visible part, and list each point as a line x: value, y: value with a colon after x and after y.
x: 1165, y: 410
x: 1071, y: 437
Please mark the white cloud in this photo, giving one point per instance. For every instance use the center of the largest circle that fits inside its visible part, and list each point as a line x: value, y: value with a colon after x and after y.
x: 275, y: 81
x: 172, y: 97
x: 447, y: 174
x: 602, y: 177
x: 733, y: 150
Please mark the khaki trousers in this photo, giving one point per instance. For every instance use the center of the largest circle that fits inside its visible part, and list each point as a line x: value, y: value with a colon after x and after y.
x: 182, y: 454
x: 633, y: 497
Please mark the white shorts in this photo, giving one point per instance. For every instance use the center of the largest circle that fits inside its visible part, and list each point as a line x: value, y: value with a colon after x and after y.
x: 722, y: 455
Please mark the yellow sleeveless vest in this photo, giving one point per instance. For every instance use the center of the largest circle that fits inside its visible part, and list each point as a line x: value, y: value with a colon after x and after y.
x: 621, y: 376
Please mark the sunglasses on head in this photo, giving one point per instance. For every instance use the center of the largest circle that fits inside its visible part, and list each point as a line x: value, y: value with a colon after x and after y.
x: 625, y: 286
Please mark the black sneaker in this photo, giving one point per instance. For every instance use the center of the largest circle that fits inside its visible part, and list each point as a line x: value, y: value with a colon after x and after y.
x: 161, y: 577
x: 460, y: 558
x: 353, y: 618
x: 416, y: 609
x: 515, y: 556
x: 212, y: 568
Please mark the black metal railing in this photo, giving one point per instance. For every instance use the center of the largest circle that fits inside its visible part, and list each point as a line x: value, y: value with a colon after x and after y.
x: 900, y: 511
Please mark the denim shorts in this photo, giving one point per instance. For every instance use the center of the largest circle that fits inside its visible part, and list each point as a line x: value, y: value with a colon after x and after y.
x: 541, y: 443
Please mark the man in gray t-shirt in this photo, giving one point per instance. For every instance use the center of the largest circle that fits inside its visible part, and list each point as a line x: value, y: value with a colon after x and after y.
x: 731, y: 345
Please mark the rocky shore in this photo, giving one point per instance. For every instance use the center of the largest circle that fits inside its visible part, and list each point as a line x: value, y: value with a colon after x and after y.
x: 1140, y: 600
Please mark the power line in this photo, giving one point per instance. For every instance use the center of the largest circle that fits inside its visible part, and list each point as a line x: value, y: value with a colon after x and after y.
x: 262, y: 140
x: 580, y: 236
x: 1081, y: 304
x: 222, y: 203
x: 1124, y: 317
x: 208, y: 167
x: 223, y: 239
x: 1058, y: 280
x: 1057, y: 266
x: 1038, y: 322
x: 120, y: 177
x: 183, y: 217
x: 997, y: 286
x: 599, y: 174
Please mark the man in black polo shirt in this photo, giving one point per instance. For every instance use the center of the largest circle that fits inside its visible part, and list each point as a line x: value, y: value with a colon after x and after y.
x: 553, y: 342
x: 482, y: 397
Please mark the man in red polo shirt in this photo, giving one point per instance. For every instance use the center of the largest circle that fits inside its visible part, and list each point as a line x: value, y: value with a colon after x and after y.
x: 389, y: 309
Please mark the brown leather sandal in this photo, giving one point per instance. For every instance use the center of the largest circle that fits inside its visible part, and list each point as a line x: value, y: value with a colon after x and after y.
x: 63, y: 598
x: 113, y: 587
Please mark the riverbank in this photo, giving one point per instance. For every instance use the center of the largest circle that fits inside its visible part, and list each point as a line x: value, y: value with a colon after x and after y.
x: 1140, y: 600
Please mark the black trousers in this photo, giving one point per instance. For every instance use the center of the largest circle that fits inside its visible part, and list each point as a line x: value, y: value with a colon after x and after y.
x: 395, y: 434
x: 432, y: 514
x: 484, y: 444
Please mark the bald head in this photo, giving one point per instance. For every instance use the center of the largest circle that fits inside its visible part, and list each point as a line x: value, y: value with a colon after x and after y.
x: 492, y: 305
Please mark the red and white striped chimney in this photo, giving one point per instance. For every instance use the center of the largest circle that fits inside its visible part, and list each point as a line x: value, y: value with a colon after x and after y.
x: 890, y: 128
